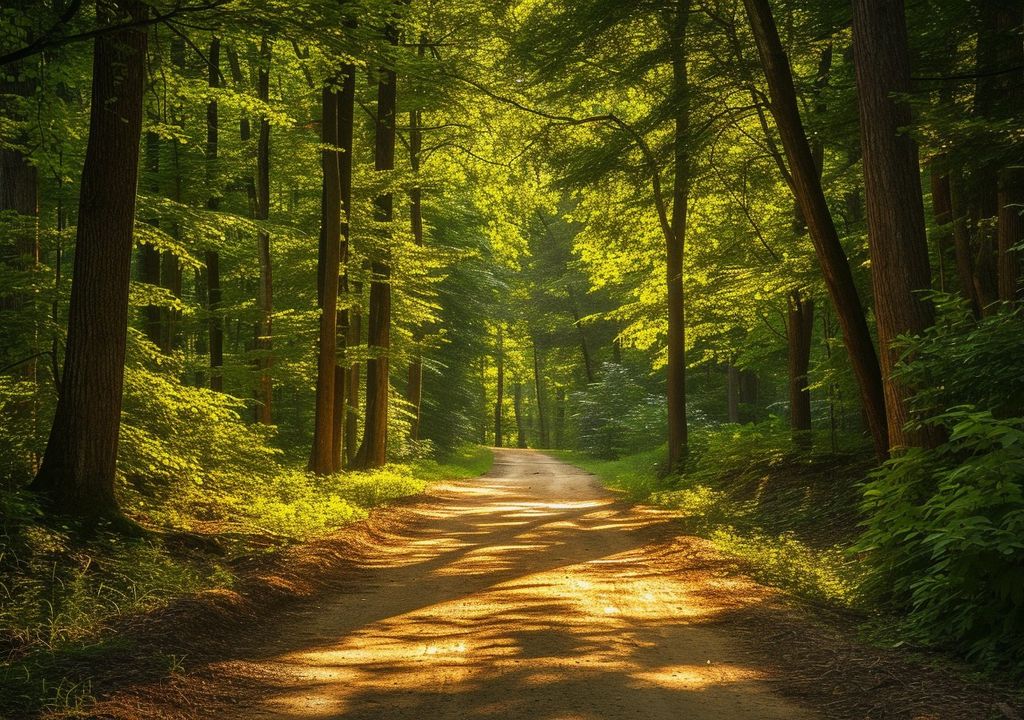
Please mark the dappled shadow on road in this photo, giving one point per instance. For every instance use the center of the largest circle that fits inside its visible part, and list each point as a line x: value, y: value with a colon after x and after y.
x: 528, y: 594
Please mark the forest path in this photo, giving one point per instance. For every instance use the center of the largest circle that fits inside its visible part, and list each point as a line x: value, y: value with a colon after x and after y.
x: 528, y: 593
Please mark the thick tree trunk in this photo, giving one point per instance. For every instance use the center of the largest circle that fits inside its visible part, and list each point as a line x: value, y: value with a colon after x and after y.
x: 342, y: 374
x: 77, y: 473
x: 799, y: 329
x: 373, y: 451
x: 538, y: 382
x: 807, y: 189
x: 322, y: 458
x: 265, y: 292
x: 676, y: 244
x: 215, y: 323
x: 500, y: 399
x: 892, y: 183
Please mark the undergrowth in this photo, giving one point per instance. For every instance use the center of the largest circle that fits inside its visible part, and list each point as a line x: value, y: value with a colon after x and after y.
x: 61, y: 592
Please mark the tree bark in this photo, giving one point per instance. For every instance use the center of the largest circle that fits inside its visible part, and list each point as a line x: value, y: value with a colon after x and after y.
x: 896, y: 229
x: 373, y: 451
x: 77, y: 473
x: 498, y: 432
x: 414, y: 386
x: 343, y: 390
x: 148, y: 255
x: 353, y: 338
x: 799, y: 329
x: 807, y: 189
x: 517, y: 409
x: 265, y: 292
x: 214, y: 299
x: 322, y: 457
x: 676, y: 244
x: 538, y: 382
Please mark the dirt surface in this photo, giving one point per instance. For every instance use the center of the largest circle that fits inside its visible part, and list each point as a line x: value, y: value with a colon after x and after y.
x: 528, y: 594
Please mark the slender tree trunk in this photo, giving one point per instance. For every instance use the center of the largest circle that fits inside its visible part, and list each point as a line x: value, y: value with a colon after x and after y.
x: 373, y: 451
x: 148, y: 255
x: 265, y: 293
x: 517, y: 408
x: 354, y: 337
x: 807, y: 189
x: 215, y: 323
x: 948, y: 213
x: 588, y: 365
x: 322, y: 458
x: 498, y: 432
x: 892, y: 182
x: 414, y: 386
x: 799, y: 329
x: 560, y: 417
x: 676, y: 245
x: 538, y: 382
x: 342, y: 374
x: 1011, y: 175
x: 732, y: 386
x: 77, y: 473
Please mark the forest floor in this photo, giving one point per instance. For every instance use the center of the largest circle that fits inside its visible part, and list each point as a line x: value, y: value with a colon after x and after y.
x: 531, y: 592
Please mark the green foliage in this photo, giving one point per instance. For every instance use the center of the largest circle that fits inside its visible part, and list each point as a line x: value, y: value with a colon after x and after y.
x: 944, y: 537
x: 616, y: 415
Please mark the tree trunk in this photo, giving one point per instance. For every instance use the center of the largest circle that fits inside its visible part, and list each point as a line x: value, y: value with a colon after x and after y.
x: 414, y: 387
x: 265, y: 293
x: 322, y: 458
x: 373, y: 451
x: 342, y: 374
x: 538, y: 381
x: 77, y: 473
x: 676, y: 245
x: 517, y: 409
x: 215, y: 323
x: 560, y: 417
x: 892, y: 183
x: 353, y: 338
x: 148, y: 255
x: 799, y: 329
x: 948, y: 212
x: 498, y: 433
x: 1011, y: 176
x: 807, y: 189
x: 732, y: 389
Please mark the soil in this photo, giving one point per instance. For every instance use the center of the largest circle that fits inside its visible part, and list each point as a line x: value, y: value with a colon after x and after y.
x: 533, y: 593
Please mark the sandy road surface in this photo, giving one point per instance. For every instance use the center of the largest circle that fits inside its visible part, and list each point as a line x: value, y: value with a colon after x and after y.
x: 529, y: 593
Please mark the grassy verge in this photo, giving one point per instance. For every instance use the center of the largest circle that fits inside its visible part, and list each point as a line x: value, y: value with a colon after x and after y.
x: 789, y: 516
x: 61, y: 594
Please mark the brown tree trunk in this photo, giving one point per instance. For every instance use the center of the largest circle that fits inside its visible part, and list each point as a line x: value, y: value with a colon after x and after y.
x: 148, y: 255
x: 342, y: 374
x: 322, y: 458
x: 892, y: 183
x: 807, y: 189
x: 676, y: 244
x: 353, y: 338
x: 560, y: 417
x: 732, y: 389
x: 948, y: 212
x: 799, y: 329
x: 265, y: 292
x: 414, y: 386
x: 517, y: 409
x: 538, y: 382
x: 500, y: 400
x: 373, y: 451
x: 1011, y: 175
x: 215, y: 323
x: 77, y: 473
x: 588, y: 365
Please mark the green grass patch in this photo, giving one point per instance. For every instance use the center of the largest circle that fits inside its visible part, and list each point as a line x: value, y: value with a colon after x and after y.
x: 60, y: 592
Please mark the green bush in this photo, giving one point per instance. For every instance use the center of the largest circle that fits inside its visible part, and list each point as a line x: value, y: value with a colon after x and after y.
x: 616, y: 416
x: 944, y: 537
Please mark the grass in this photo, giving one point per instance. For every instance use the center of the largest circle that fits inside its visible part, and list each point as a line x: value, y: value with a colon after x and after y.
x: 62, y: 595
x: 788, y: 515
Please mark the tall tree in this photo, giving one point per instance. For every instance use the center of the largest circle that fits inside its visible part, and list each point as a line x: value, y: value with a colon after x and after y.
x: 799, y: 330
x: 805, y: 183
x: 896, y: 232
x: 214, y: 296
x: 265, y: 292
x: 322, y: 458
x: 373, y: 451
x: 77, y: 472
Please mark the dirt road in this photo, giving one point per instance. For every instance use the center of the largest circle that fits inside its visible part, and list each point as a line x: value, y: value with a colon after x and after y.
x: 530, y: 593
